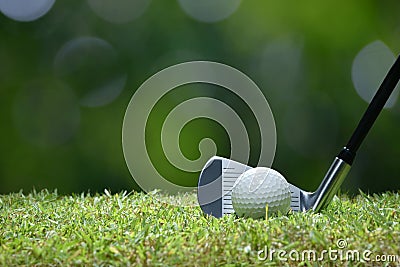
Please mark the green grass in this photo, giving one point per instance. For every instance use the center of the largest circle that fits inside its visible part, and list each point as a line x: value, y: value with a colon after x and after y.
x: 46, y: 229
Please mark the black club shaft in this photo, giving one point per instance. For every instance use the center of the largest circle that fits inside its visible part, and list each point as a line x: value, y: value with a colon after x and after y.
x: 375, y: 107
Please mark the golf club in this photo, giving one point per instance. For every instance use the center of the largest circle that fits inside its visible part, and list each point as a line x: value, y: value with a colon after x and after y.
x: 219, y: 174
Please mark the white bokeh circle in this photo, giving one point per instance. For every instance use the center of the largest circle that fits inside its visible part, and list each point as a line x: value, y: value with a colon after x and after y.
x: 369, y: 68
x: 90, y: 65
x: 25, y: 10
x: 119, y: 11
x: 209, y: 10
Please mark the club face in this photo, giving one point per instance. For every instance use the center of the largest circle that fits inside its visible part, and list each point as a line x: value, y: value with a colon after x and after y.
x: 300, y: 199
x: 216, y: 182
x: 215, y: 185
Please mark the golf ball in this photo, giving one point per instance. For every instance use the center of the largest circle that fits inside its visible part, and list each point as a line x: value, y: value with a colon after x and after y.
x: 258, y: 187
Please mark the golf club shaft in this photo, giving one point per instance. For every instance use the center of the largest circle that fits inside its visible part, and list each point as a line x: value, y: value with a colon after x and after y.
x: 375, y: 107
x: 341, y: 165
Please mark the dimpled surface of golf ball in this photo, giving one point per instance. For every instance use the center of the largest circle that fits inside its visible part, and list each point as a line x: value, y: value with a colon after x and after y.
x: 256, y: 188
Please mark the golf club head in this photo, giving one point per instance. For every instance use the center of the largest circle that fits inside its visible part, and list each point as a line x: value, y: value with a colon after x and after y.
x: 216, y: 182
x: 219, y: 174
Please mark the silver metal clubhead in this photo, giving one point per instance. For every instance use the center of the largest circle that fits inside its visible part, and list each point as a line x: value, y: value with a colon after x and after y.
x: 215, y: 185
x: 219, y: 174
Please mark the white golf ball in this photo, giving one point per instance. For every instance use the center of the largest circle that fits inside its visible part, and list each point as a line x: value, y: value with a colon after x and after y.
x: 258, y: 187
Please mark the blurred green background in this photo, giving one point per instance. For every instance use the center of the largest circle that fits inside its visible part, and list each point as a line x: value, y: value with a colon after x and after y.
x: 66, y: 78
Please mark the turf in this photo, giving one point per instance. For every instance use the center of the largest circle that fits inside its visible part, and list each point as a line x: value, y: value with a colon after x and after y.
x: 47, y: 229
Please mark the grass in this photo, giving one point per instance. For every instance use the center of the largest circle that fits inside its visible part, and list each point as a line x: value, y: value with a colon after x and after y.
x: 47, y: 229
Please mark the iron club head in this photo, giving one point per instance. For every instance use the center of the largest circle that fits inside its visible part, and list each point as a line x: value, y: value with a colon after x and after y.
x: 219, y: 174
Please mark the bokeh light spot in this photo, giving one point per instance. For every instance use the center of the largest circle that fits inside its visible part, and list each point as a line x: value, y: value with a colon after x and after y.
x: 25, y: 10
x: 209, y: 10
x: 119, y: 11
x: 90, y: 66
x: 369, y: 68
